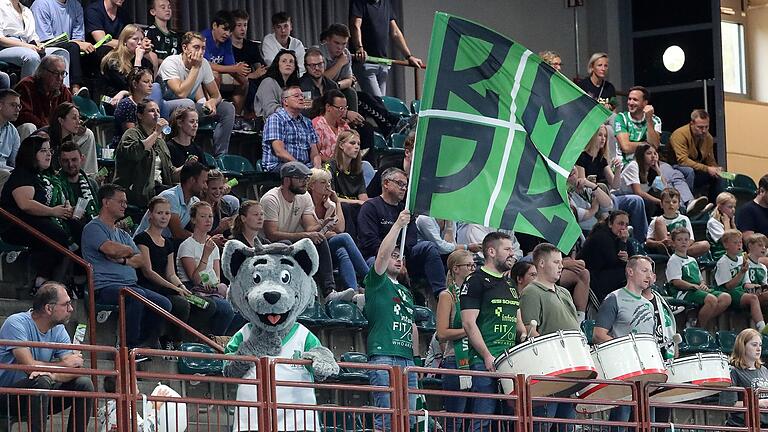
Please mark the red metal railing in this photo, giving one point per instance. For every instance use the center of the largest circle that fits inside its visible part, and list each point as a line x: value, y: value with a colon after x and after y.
x: 72, y: 256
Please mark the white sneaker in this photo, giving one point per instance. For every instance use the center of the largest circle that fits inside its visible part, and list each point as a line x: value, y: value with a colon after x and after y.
x: 345, y: 295
x: 83, y: 92
x: 696, y: 205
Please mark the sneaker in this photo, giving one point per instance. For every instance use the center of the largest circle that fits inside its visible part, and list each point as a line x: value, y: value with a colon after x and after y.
x: 345, y: 295
x: 696, y: 205
x: 708, y: 208
x: 359, y: 300
x: 84, y: 93
x: 169, y: 346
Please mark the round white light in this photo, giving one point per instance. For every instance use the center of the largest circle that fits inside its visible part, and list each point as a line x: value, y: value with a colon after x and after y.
x: 674, y: 58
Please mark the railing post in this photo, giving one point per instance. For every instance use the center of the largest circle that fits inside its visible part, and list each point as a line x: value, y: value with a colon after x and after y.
x: 400, y: 421
x: 643, y: 417
x: 752, y: 416
x: 521, y: 403
x: 265, y: 411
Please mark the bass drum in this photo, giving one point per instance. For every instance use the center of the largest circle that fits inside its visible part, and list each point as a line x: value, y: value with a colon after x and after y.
x: 701, y: 369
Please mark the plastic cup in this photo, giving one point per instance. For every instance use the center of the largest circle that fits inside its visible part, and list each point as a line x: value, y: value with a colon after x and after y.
x: 307, y: 95
x: 79, y: 211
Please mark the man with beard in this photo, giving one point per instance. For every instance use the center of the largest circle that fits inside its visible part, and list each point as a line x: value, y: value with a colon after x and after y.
x: 626, y: 311
x: 490, y: 315
x: 551, y: 306
x: 76, y: 184
x: 289, y: 215
x: 51, y: 309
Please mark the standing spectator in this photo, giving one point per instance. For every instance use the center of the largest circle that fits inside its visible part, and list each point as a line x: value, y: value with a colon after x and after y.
x: 9, y: 136
x: 722, y: 219
x: 165, y: 41
x: 65, y: 125
x: 115, y: 258
x: 248, y: 52
x: 51, y: 310
x: 33, y: 194
x: 218, y: 52
x: 186, y: 79
x: 346, y: 256
x: 595, y: 84
x: 289, y: 214
x: 747, y: 371
x: 451, y: 333
x: 281, y: 74
x: 288, y: 135
x: 142, y: 160
x: 752, y: 217
x: 372, y: 25
x: 693, y: 146
x: 249, y: 224
x: 19, y: 42
x: 393, y: 336
x: 730, y: 277
x: 132, y: 51
x: 158, y: 271
x: 280, y: 39
x: 338, y: 61
x: 376, y: 217
x: 605, y: 254
x: 55, y: 17
x: 184, y: 123
x: 139, y: 88
x: 105, y: 17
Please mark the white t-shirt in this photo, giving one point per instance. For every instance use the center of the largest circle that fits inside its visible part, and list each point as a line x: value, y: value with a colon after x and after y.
x: 715, y: 229
x: 173, y: 68
x: 191, y: 248
x: 672, y: 223
x: 631, y: 175
x: 683, y: 268
x: 727, y: 268
x: 287, y: 214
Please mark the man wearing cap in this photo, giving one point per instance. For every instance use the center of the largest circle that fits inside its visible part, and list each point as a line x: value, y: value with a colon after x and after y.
x: 289, y: 214
x: 288, y: 135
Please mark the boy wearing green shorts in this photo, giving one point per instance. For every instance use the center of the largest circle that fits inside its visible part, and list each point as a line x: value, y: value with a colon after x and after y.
x: 730, y: 277
x: 757, y: 274
x: 684, y: 278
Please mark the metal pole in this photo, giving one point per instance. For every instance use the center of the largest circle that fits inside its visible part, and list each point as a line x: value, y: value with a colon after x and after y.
x: 706, y: 100
x: 576, y: 39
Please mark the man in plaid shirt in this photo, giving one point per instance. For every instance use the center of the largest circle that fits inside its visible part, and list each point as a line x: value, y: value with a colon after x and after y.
x: 288, y: 135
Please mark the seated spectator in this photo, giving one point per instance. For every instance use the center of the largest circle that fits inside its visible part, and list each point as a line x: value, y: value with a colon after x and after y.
x: 9, y: 136
x: 53, y: 18
x: 19, y: 42
x: 105, y: 17
x: 553, y: 59
x: 65, y: 125
x: 730, y: 277
x: 224, y: 206
x: 595, y: 84
x: 467, y: 233
x: 184, y: 123
x: 192, y: 182
x: 377, y: 216
x: 139, y: 88
x: 642, y: 177
x: 752, y: 217
x: 115, y: 258
x: 756, y: 280
x: 187, y: 79
x: 51, y: 310
x: 338, y: 61
x: 132, y: 51
x: 218, y: 52
x: 76, y: 185
x: 280, y: 39
x: 165, y: 42
x: 589, y: 201
x: 280, y: 75
x: 660, y: 228
x: 593, y: 161
x: 722, y: 219
x: 333, y: 119
x: 249, y: 223
x: 442, y: 233
x: 289, y: 214
x: 692, y: 146
x: 374, y: 186
x: 347, y: 170
x: 747, y: 371
x: 605, y: 254
x: 686, y: 283
x: 314, y: 79
x: 158, y: 270
x: 344, y: 252
x: 198, y: 265
x: 248, y: 52
x: 523, y: 273
x: 142, y: 160
x: 41, y: 93
x: 289, y: 136
x: 34, y: 194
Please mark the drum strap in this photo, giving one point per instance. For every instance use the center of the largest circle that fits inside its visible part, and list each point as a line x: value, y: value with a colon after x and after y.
x: 460, y: 346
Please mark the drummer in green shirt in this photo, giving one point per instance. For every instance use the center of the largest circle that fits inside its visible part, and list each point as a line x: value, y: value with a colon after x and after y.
x: 490, y: 315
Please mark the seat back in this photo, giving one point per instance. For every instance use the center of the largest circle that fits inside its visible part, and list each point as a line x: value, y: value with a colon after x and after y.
x: 424, y: 318
x: 346, y: 312
x: 698, y: 340
x: 726, y: 339
x: 210, y: 161
x: 236, y: 163
x: 88, y: 108
x: 396, y: 106
x: 397, y: 140
x: 588, y: 328
x: 190, y: 366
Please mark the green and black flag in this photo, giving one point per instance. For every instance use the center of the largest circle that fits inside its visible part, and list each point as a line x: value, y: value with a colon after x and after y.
x: 499, y: 131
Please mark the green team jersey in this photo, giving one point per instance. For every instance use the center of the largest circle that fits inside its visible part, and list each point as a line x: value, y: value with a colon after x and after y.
x: 637, y: 130
x: 496, y: 298
x: 727, y: 267
x: 389, y: 309
x: 757, y: 273
x: 683, y: 268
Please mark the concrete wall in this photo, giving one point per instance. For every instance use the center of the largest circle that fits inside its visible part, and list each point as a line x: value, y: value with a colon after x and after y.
x: 747, y: 151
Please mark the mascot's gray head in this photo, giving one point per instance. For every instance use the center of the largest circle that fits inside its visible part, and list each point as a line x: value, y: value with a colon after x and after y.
x: 271, y: 285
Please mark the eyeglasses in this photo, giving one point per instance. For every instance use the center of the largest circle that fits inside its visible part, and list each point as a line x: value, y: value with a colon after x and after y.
x: 395, y: 256
x: 67, y: 304
x: 314, y: 65
x: 62, y: 74
x: 341, y: 108
x: 400, y: 184
x: 297, y: 95
x: 14, y: 105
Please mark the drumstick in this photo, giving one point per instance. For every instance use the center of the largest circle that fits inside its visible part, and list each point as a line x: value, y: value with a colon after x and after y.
x: 533, y: 325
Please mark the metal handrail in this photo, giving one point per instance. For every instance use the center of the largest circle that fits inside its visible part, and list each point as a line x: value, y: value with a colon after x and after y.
x: 76, y: 259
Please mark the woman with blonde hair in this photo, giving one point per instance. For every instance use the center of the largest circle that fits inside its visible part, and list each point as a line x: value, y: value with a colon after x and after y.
x: 722, y: 219
x: 132, y: 51
x: 747, y: 371
x: 450, y: 333
x: 595, y: 84
x: 593, y: 161
x: 346, y: 168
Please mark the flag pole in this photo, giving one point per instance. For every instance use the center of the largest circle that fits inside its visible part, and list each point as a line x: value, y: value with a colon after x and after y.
x: 408, y: 191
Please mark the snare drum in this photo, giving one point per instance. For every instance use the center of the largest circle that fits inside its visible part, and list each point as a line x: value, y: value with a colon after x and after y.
x: 629, y: 358
x: 563, y: 354
x: 701, y: 369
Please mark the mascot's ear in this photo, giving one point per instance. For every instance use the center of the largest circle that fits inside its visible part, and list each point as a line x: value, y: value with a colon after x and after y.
x: 235, y: 254
x: 305, y: 253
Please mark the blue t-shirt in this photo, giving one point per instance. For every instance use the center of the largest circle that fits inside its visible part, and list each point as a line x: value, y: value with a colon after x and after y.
x: 218, y: 54
x: 107, y: 273
x: 21, y: 327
